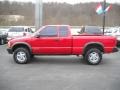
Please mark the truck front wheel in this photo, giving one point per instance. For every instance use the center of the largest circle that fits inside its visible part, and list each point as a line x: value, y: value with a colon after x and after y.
x: 21, y: 55
x: 93, y: 56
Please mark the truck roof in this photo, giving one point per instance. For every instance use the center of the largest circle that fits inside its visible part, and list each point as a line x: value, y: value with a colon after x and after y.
x: 57, y: 25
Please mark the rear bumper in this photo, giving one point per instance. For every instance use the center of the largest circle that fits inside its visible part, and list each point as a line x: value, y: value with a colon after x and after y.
x: 9, y: 50
x: 115, y: 49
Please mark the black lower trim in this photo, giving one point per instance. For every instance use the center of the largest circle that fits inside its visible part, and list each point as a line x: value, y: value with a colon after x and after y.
x: 115, y: 49
x: 10, y: 51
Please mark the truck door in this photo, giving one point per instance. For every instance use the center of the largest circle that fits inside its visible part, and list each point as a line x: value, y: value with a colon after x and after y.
x: 47, y: 43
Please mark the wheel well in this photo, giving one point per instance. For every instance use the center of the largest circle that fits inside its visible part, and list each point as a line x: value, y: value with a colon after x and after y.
x: 20, y: 45
x: 98, y: 46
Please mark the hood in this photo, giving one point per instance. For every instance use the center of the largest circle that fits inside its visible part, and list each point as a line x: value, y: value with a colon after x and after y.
x: 21, y: 39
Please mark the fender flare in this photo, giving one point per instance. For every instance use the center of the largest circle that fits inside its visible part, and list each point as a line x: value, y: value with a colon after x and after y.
x: 22, y: 43
x: 91, y: 43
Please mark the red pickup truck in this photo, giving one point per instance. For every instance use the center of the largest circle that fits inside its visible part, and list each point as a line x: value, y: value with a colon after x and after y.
x: 58, y: 40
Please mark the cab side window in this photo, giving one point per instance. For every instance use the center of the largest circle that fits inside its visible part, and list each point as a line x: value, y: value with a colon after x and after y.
x: 49, y: 31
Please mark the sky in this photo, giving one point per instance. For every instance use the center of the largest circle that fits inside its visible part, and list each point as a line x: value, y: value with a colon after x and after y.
x: 68, y: 1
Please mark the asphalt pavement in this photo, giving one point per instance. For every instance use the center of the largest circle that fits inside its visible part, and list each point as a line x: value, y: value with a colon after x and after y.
x: 59, y: 73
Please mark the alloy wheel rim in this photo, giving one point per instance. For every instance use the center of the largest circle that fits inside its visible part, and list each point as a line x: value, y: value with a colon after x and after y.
x: 93, y: 57
x: 21, y: 56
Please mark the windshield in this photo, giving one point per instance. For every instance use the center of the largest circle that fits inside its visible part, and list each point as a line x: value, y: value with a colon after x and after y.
x: 38, y: 31
x: 16, y: 29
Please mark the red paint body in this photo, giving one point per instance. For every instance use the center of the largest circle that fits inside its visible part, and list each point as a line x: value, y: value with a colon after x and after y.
x: 68, y: 45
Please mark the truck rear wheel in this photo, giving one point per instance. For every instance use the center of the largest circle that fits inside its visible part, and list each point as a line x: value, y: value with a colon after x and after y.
x: 21, y: 55
x: 93, y: 56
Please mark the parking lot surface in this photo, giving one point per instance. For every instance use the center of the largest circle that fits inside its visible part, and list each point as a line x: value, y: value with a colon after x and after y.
x: 59, y: 73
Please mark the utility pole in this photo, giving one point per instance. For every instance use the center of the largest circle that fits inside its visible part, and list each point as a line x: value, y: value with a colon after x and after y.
x: 38, y: 14
x: 104, y: 7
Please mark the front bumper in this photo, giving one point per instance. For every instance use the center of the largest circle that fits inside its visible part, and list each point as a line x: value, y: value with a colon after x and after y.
x: 9, y: 50
x: 115, y: 49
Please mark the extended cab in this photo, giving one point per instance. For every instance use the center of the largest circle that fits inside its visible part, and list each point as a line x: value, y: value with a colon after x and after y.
x: 58, y: 40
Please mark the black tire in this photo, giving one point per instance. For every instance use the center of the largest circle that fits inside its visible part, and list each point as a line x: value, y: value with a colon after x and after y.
x: 24, y: 59
x: 32, y: 55
x: 93, y: 56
